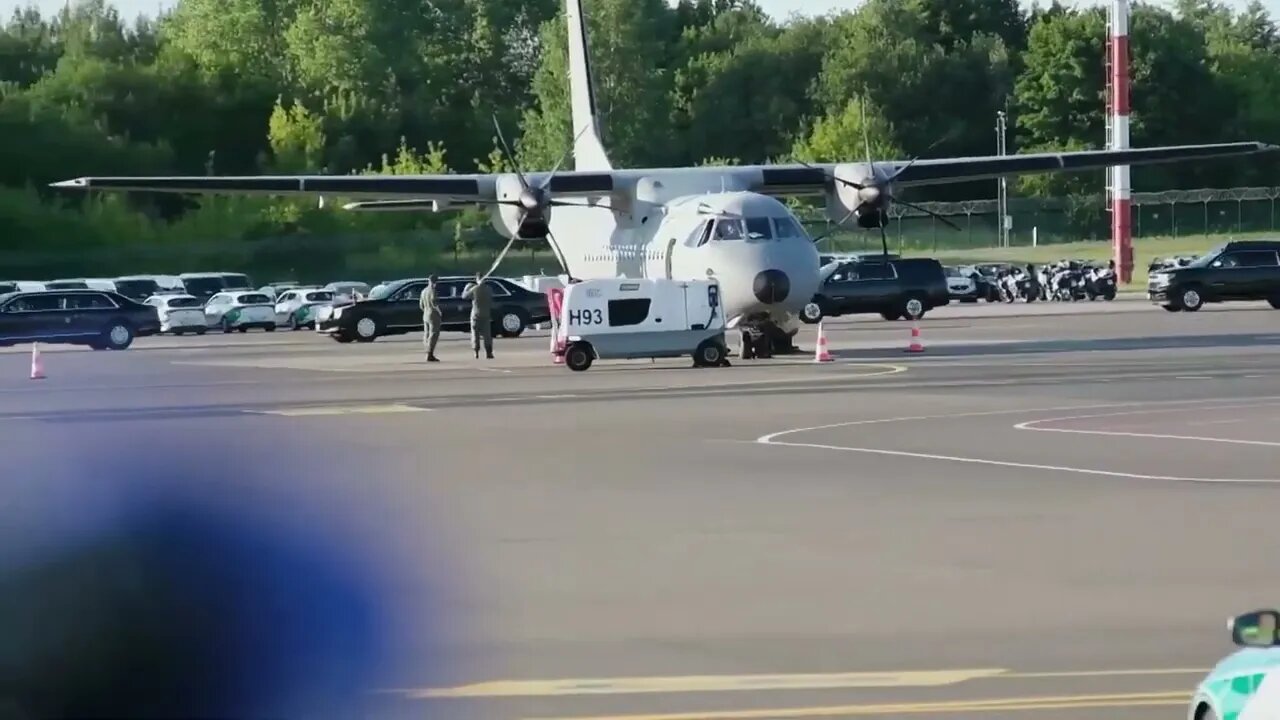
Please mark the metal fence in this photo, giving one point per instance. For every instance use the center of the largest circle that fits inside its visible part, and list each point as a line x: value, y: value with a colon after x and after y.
x: 1171, y: 213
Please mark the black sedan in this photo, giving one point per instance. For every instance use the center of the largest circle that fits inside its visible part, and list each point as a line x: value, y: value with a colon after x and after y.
x: 395, y: 310
x: 100, y: 319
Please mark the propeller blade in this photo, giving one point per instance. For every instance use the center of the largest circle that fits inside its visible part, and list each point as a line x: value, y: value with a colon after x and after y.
x: 501, y: 256
x: 866, y: 133
x: 564, y: 158
x: 510, y: 155
x: 832, y: 177
x: 884, y: 239
x: 928, y: 212
x: 839, y: 226
x: 946, y: 137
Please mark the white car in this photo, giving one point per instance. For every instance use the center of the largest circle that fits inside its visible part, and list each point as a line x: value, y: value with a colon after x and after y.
x: 240, y: 310
x: 961, y: 285
x: 179, y: 313
x: 297, y: 307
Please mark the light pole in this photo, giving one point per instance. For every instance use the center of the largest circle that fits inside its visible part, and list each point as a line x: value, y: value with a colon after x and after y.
x: 1002, y: 199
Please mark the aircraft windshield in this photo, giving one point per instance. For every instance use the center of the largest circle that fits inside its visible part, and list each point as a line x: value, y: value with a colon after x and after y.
x: 727, y: 229
x: 786, y: 228
x: 759, y: 229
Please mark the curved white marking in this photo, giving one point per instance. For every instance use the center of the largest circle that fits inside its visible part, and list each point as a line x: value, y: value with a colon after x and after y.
x: 771, y: 439
x: 1031, y: 425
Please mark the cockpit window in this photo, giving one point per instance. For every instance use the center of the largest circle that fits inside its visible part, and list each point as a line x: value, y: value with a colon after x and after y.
x: 759, y: 229
x: 785, y: 227
x: 728, y: 229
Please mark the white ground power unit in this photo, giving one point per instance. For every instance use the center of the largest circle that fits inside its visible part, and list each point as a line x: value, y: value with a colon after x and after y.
x: 629, y: 319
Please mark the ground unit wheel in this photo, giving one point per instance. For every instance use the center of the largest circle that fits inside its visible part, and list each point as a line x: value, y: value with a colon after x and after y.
x: 1172, y: 308
x: 913, y: 308
x: 270, y: 327
x: 201, y: 331
x: 709, y: 354
x: 578, y: 356
x: 890, y: 315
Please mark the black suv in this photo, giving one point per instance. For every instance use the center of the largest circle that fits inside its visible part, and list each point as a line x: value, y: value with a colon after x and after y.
x: 896, y: 288
x: 395, y: 310
x: 1244, y: 270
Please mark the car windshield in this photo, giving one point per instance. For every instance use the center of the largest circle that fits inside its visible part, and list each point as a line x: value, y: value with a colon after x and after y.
x: 67, y: 285
x: 1205, y: 259
x: 319, y: 296
x: 253, y: 299
x: 235, y: 280
x: 185, y: 302
x: 137, y: 288
x: 380, y: 292
x: 203, y: 285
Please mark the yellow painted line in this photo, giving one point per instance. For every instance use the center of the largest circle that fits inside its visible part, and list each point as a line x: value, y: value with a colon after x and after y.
x: 1104, y: 673
x: 1062, y: 702
x: 342, y: 410
x: 705, y: 683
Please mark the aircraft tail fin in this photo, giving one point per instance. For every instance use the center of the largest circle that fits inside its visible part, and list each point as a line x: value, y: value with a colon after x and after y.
x: 588, y: 150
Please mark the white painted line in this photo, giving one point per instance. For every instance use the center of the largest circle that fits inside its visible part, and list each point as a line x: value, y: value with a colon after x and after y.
x: 1034, y: 425
x: 771, y: 439
x: 342, y: 410
x: 768, y: 439
x: 1192, y: 377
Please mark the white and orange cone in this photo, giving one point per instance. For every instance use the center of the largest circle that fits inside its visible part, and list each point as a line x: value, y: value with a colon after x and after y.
x: 37, y: 364
x: 821, y: 353
x: 916, y: 346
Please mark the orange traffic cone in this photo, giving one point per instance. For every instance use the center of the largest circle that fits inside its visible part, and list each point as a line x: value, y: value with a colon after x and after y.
x: 821, y: 354
x: 916, y: 345
x: 37, y: 365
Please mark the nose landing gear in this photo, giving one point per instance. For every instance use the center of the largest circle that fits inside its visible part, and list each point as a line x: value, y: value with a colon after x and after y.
x: 765, y: 339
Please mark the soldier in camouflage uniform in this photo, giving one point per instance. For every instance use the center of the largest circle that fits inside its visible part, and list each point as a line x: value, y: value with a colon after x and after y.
x: 481, y: 297
x: 431, y: 319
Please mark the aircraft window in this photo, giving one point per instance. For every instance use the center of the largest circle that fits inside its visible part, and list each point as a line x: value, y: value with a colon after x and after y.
x: 702, y: 235
x: 759, y: 229
x: 631, y: 311
x: 729, y: 229
x: 785, y: 227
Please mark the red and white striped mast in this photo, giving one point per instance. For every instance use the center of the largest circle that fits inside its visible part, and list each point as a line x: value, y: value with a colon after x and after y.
x: 1118, y: 136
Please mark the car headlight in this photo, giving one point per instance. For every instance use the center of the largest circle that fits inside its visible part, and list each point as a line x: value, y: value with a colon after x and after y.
x: 1159, y: 279
x: 337, y: 313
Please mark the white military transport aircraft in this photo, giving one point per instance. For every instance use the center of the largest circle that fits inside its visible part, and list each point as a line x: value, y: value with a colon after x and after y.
x: 681, y: 223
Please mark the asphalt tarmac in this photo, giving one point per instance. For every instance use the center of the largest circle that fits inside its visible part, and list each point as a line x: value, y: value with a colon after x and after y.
x: 1049, y: 513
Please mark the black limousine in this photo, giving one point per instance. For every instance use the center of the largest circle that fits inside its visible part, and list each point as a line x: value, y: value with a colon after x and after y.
x: 100, y: 319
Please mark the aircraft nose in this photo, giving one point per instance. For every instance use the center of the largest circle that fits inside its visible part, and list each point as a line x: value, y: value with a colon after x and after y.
x: 771, y: 287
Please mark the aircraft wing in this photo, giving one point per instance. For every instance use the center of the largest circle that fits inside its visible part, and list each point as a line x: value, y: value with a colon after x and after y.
x: 407, y: 192
x: 810, y: 180
x: 948, y: 170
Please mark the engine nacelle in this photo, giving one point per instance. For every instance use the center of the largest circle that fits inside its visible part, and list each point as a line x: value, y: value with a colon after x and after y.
x: 513, y: 220
x: 869, y: 206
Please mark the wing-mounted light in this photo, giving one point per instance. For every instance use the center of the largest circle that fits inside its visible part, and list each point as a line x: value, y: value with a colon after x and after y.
x: 434, y: 206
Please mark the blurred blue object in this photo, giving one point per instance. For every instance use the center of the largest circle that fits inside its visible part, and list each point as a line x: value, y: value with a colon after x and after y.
x: 187, y: 585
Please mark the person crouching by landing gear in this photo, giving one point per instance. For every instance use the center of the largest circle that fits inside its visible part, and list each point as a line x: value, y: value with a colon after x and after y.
x: 431, y: 319
x: 481, y: 298
x: 748, y: 345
